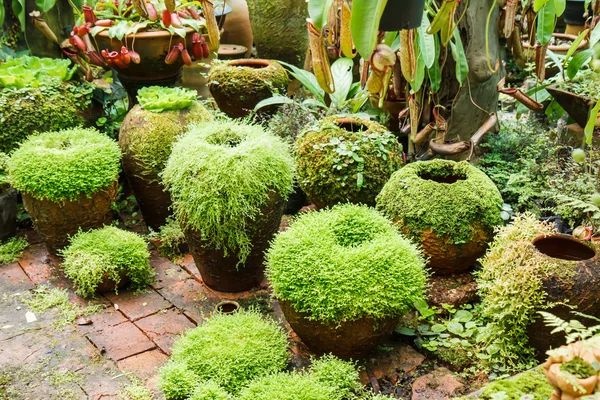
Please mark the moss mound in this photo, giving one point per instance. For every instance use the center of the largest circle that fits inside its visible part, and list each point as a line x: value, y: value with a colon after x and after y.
x: 531, y: 383
x: 107, y: 253
x: 225, y: 157
x: 346, y: 160
x: 210, y: 391
x: 148, y: 136
x: 3, y: 170
x: 443, y: 196
x: 62, y: 165
x: 51, y: 107
x: 229, y: 350
x: 346, y: 263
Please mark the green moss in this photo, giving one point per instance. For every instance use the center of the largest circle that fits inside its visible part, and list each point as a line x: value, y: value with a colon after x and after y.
x: 532, y: 383
x: 417, y: 199
x: 337, y: 373
x: 210, y: 391
x: 229, y: 350
x: 51, y: 107
x: 236, y: 80
x: 12, y: 250
x: 3, y: 170
x: 346, y: 263
x: 336, y: 165
x: 578, y: 368
x: 243, y: 161
x: 159, y: 98
x: 149, y: 136
x: 171, y: 239
x: 107, y: 253
x: 63, y: 165
x: 135, y: 391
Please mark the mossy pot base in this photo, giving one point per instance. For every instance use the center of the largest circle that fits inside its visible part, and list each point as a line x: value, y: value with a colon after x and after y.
x: 108, y: 285
x: 353, y: 339
x: 55, y: 222
x: 8, y: 213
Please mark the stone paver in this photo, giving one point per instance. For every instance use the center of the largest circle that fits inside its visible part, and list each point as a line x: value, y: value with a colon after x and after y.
x: 138, y: 305
x: 167, y: 272
x: 164, y: 327
x: 121, y: 341
x: 190, y: 266
x: 144, y: 365
x: 191, y: 296
x: 14, y: 279
x: 438, y: 385
x: 106, y: 318
x: 37, y: 263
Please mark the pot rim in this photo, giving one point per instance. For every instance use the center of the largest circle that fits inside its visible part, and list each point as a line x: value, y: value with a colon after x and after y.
x: 256, y: 63
x: 565, y: 237
x: 148, y: 35
x: 555, y: 48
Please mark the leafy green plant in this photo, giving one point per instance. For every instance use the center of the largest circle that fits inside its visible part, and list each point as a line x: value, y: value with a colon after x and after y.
x: 158, y: 98
x: 242, y: 160
x: 337, y: 373
x: 12, y: 249
x: 171, y: 239
x: 34, y: 71
x: 63, y: 165
x: 290, y: 121
x: 574, y: 330
x: 103, y: 254
x: 578, y: 368
x: 210, y: 391
x: 3, y: 170
x: 229, y: 350
x: 308, y: 266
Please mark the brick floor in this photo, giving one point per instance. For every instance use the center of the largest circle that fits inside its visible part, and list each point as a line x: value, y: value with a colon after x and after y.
x: 191, y: 296
x: 37, y: 263
x: 105, y: 319
x: 138, y: 305
x: 164, y: 327
x: 14, y: 278
x: 144, y: 365
x: 121, y: 341
x: 167, y: 273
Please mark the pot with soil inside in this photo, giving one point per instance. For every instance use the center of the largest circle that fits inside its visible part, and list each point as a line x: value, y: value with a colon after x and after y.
x: 146, y: 136
x: 233, y: 206
x: 450, y: 208
x: 8, y: 202
x: 239, y: 85
x: 344, y: 276
x: 68, y: 180
x: 578, y: 96
x: 346, y: 160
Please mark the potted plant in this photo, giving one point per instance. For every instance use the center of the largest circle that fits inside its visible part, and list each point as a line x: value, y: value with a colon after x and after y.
x: 343, y: 277
x: 229, y: 350
x: 8, y: 202
x: 68, y: 180
x: 107, y: 259
x: 146, y: 136
x: 346, y: 159
x: 239, y: 85
x: 450, y: 208
x: 233, y: 206
x: 578, y: 96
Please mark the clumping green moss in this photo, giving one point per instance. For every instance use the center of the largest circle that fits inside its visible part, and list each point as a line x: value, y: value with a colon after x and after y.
x: 243, y: 161
x: 416, y: 202
x: 51, y: 107
x: 3, y: 170
x: 236, y: 80
x: 106, y: 253
x: 229, y: 350
x: 135, y: 391
x: 510, y: 285
x: 532, y: 383
x: 210, y: 391
x: 63, y: 165
x: 346, y: 263
x: 171, y: 239
x: 150, y: 135
x: 12, y: 250
x: 336, y: 165
x: 578, y: 368
x: 337, y: 373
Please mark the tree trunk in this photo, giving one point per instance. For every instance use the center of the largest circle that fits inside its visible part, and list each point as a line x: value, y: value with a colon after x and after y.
x: 60, y: 19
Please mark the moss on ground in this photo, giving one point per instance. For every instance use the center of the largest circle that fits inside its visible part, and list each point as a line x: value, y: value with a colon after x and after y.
x: 532, y: 383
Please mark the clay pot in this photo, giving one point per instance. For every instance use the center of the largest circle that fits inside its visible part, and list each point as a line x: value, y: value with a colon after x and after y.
x: 222, y: 273
x: 108, y: 285
x: 240, y: 85
x: 581, y: 291
x: 227, y: 307
x: 55, y: 222
x: 354, y: 339
x: 237, y: 28
x: 8, y: 213
x: 577, y: 106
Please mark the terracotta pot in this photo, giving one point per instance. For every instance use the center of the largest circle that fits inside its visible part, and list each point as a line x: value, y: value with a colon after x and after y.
x: 355, y: 339
x: 558, y: 379
x: 227, y: 307
x: 237, y: 28
x: 578, y: 107
x: 8, y: 213
x: 581, y: 291
x: 240, y: 85
x: 55, y: 222
x: 108, y: 285
x: 222, y: 273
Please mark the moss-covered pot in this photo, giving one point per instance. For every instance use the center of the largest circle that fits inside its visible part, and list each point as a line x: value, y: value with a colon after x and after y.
x: 346, y: 160
x: 146, y: 138
x: 450, y: 208
x: 223, y: 272
x: 239, y: 85
x: 279, y: 29
x: 8, y: 213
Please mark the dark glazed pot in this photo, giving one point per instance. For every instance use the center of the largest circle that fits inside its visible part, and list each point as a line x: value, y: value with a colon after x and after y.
x: 55, y: 222
x: 402, y: 14
x: 578, y: 107
x: 581, y: 291
x: 220, y: 272
x: 573, y: 14
x: 355, y: 339
x: 8, y: 213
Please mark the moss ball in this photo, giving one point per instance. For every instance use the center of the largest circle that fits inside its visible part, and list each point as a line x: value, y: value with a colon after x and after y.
x: 63, y: 165
x: 242, y: 160
x: 451, y: 208
x: 51, y: 107
x: 210, y: 391
x: 344, y: 264
x: 239, y: 85
x: 229, y: 350
x: 108, y: 253
x: 346, y: 160
x: 147, y: 136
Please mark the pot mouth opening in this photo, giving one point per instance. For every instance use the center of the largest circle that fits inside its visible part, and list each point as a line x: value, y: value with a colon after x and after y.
x: 227, y: 307
x: 442, y: 176
x: 563, y: 247
x: 256, y: 64
x: 351, y: 125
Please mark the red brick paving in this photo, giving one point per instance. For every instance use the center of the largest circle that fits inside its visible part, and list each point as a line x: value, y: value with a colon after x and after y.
x: 138, y: 305
x: 164, y: 327
x: 191, y: 296
x: 121, y: 341
x: 105, y: 319
x: 167, y: 273
x: 37, y: 263
x: 14, y: 276
x: 144, y: 365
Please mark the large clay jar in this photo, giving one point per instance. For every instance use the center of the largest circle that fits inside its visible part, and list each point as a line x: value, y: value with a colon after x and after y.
x: 239, y: 85
x: 237, y: 28
x: 8, y: 213
x: 450, y: 208
x: 146, y: 138
x: 279, y: 29
x: 328, y: 178
x: 580, y: 290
